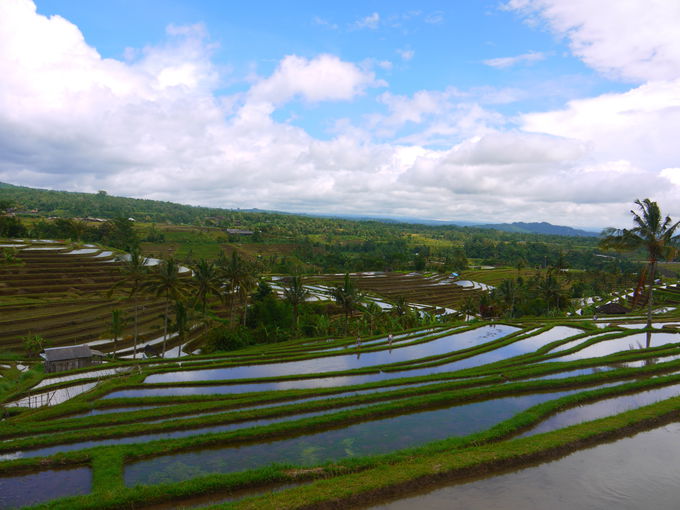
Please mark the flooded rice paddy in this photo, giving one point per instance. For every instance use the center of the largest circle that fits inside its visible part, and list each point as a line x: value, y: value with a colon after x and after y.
x: 369, y: 438
x: 29, y: 489
x: 628, y: 474
x: 353, y: 429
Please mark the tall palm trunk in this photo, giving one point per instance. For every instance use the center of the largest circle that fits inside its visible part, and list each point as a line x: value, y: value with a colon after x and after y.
x: 136, y: 335
x: 650, y: 290
x: 165, y: 325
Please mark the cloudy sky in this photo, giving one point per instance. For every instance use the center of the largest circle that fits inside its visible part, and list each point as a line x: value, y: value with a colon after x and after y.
x: 517, y: 110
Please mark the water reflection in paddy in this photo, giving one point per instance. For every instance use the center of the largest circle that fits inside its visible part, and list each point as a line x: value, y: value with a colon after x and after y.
x: 626, y: 343
x: 629, y: 474
x: 441, y: 345
x: 366, y: 438
x: 604, y: 408
x: 508, y: 351
x: 42, y: 452
x: 51, y: 398
x: 29, y: 489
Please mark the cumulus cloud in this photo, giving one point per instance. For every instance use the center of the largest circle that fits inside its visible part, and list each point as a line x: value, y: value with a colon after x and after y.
x: 505, y: 62
x: 155, y: 126
x: 324, y: 78
x: 630, y: 40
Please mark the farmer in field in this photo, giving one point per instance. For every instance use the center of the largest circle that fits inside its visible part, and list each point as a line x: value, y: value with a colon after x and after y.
x: 389, y: 339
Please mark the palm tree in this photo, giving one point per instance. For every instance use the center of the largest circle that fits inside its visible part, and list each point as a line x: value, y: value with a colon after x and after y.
x: 652, y: 233
x: 296, y: 294
x: 372, y: 312
x: 400, y: 306
x: 348, y: 297
x: 550, y: 290
x: 166, y: 282
x: 181, y: 325
x: 117, y: 327
x: 134, y: 273
x: 240, y: 279
x: 507, y: 293
x: 206, y: 282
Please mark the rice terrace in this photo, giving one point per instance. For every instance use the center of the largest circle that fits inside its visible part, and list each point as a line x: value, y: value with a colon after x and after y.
x: 138, y: 375
x: 392, y: 255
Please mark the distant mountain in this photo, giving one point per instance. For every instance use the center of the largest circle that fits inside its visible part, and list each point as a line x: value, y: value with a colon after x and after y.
x: 67, y: 203
x: 540, y: 228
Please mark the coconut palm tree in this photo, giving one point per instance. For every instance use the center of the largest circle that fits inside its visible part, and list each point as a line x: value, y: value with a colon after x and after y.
x: 183, y: 317
x: 166, y: 282
x: 652, y: 233
x: 240, y: 279
x: 348, y: 297
x: 206, y: 282
x: 372, y: 312
x: 507, y: 293
x: 296, y: 294
x: 117, y: 327
x: 134, y: 272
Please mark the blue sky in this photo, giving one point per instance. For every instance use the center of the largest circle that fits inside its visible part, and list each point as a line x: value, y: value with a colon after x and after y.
x: 428, y: 45
x: 519, y: 110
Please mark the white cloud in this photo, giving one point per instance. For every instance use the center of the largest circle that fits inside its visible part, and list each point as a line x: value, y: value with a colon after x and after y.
x: 153, y: 126
x: 406, y: 54
x: 640, y: 125
x: 633, y: 40
x: 317, y: 20
x: 371, y: 22
x: 324, y: 78
x: 505, y: 62
x: 435, y: 18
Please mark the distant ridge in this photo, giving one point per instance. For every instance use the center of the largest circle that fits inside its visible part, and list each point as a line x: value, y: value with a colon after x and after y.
x: 540, y: 228
x: 107, y: 206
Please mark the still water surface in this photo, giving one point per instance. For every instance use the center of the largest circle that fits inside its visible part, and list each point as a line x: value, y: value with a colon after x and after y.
x: 634, y: 473
x: 373, y: 437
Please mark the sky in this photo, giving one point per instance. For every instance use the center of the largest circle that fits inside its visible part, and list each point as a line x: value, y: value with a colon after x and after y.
x: 564, y: 111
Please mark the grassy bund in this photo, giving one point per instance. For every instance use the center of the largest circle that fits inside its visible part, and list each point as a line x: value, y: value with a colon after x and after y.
x: 164, y: 419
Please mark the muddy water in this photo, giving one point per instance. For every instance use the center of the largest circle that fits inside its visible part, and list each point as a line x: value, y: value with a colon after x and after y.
x: 443, y: 345
x: 379, y: 436
x: 29, y: 489
x: 634, y: 473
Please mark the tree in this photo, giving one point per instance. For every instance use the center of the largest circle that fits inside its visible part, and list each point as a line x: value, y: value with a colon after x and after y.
x: 507, y: 293
x: 166, y: 282
x: 181, y: 325
x: 34, y: 344
x: 206, y: 282
x: 135, y: 273
x: 652, y: 233
x: 240, y: 280
x: 348, y: 297
x: 372, y: 311
x: 295, y: 293
x: 117, y: 327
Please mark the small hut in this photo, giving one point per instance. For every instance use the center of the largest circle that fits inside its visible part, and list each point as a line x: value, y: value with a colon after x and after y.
x: 58, y: 359
x: 612, y: 309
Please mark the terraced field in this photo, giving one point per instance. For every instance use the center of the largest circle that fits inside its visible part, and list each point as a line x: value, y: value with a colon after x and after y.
x: 329, y: 424
x: 60, y: 292
x: 435, y: 291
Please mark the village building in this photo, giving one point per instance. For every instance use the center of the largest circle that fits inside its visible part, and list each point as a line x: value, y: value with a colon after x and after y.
x: 58, y: 359
x: 612, y: 309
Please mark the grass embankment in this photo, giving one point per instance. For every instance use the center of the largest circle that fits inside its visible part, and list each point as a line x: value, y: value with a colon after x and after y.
x: 108, y: 462
x: 377, y: 473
